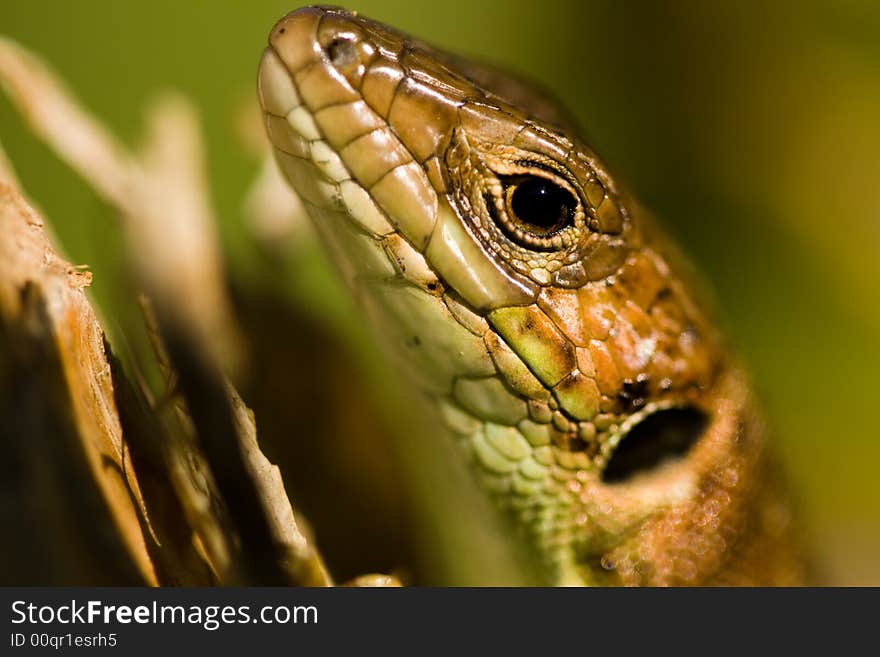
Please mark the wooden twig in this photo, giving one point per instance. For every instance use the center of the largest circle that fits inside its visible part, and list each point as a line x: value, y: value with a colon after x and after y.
x: 160, y: 193
x: 60, y: 324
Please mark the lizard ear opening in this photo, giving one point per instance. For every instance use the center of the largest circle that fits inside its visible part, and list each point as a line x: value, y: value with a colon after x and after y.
x: 663, y: 436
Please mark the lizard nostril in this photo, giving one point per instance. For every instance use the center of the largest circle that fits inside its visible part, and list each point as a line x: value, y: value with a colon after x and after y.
x: 662, y: 436
x: 342, y: 52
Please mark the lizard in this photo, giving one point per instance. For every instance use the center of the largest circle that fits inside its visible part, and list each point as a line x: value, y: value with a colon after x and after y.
x: 561, y: 340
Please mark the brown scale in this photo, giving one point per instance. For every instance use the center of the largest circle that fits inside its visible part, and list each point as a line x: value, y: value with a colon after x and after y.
x: 610, y: 320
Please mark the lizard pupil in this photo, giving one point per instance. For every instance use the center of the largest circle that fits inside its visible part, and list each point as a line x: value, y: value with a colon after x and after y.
x: 541, y: 206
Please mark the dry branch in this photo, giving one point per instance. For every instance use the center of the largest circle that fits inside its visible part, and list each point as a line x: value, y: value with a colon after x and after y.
x: 201, y: 438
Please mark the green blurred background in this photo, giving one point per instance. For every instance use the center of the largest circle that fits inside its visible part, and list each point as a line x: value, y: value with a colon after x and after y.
x: 751, y: 129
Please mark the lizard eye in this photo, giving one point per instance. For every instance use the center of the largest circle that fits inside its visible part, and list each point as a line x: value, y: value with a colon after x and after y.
x: 538, y: 206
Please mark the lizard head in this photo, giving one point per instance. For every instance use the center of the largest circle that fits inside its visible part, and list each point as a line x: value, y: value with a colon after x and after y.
x: 524, y: 293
